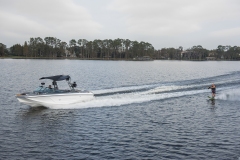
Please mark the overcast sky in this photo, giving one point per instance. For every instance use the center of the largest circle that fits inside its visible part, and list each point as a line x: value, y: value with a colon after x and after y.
x: 163, y: 23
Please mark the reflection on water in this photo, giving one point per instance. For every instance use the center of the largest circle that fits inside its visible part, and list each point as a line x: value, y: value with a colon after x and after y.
x: 33, y: 111
x: 213, y: 102
x: 44, y: 112
x: 213, y: 107
x: 30, y: 112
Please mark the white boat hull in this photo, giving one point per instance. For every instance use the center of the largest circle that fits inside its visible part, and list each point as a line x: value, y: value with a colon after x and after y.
x: 55, y: 99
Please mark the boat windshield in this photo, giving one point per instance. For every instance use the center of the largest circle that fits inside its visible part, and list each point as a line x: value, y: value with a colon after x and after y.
x: 39, y: 89
x: 42, y: 89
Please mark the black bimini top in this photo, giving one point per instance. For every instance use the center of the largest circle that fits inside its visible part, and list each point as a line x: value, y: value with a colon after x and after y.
x: 57, y: 78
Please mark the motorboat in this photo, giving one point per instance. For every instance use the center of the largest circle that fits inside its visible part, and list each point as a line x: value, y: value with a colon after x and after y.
x: 52, y: 95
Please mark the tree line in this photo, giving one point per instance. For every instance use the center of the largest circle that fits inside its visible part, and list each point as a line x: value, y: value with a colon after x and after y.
x: 199, y: 53
x: 97, y: 49
x: 51, y: 47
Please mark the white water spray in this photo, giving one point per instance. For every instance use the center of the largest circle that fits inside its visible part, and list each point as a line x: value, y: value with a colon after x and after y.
x: 231, y: 95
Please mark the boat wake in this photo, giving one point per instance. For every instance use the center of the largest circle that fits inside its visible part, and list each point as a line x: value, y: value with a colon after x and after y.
x: 126, y: 95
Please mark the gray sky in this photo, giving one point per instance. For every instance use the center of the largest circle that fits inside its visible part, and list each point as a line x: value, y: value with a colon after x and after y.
x: 163, y: 23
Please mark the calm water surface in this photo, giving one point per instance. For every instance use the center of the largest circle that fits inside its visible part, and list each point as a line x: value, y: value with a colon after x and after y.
x: 142, y: 110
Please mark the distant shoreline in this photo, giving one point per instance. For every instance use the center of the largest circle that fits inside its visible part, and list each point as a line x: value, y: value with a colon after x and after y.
x: 69, y: 58
x: 104, y: 59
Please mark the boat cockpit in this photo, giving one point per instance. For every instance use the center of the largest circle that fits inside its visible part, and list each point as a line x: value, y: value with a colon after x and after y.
x: 42, y: 89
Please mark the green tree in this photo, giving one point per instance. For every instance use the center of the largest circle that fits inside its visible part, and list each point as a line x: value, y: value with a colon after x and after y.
x: 126, y: 44
x: 220, y: 51
x: 84, y: 43
x: 1, y: 50
x: 72, y: 44
x: 25, y: 49
x: 79, y: 42
x: 17, y: 50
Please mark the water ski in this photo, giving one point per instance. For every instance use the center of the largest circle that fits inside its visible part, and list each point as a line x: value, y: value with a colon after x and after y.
x: 211, y: 98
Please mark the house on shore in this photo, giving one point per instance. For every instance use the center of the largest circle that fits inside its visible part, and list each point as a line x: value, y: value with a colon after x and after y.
x: 210, y: 58
x: 69, y: 54
x: 144, y: 58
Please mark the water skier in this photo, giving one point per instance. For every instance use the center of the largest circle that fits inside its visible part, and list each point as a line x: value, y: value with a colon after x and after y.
x: 213, y: 88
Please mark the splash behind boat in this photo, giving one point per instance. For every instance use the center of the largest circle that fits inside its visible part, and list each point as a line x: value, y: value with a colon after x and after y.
x: 46, y: 96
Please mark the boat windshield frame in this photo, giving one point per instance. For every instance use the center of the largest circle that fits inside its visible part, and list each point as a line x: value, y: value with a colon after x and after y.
x: 72, y: 86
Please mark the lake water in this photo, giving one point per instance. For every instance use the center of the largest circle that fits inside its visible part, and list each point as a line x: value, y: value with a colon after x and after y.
x: 142, y: 110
